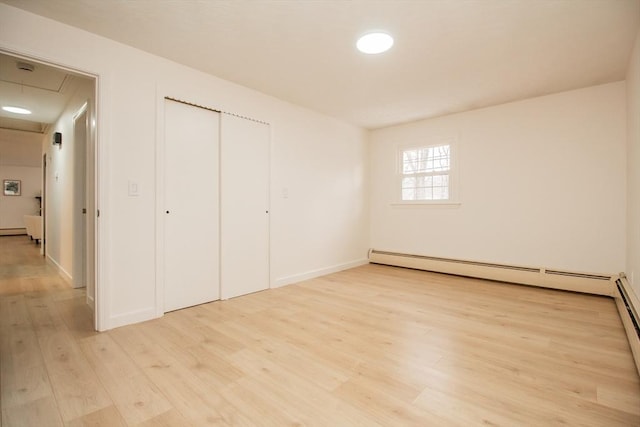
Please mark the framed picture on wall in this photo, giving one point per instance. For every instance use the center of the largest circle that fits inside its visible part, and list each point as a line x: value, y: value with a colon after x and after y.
x: 11, y: 187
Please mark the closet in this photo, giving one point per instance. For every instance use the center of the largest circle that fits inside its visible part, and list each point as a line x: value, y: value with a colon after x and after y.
x: 214, y: 181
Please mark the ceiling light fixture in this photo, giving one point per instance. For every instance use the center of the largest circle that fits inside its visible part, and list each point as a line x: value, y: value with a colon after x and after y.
x: 16, y: 110
x: 374, y: 43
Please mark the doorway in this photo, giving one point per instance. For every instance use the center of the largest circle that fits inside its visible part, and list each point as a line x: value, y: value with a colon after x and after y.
x: 65, y: 117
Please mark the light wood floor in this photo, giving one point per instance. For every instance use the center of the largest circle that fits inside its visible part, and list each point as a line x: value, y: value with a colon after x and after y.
x: 371, y: 346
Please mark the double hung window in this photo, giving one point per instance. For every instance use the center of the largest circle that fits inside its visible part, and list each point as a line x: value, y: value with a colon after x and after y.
x: 426, y: 173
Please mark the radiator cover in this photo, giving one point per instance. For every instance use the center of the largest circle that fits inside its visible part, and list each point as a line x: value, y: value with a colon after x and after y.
x: 590, y: 283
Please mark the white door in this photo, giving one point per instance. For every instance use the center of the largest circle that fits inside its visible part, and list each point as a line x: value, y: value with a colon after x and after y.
x: 84, y: 207
x: 191, y: 209
x: 90, y: 208
x: 244, y: 205
x: 80, y: 141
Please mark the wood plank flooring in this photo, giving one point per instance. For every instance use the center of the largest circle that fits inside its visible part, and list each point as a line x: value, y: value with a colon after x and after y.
x: 371, y: 346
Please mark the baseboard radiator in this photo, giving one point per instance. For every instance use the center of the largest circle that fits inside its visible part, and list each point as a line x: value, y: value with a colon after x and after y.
x: 548, y: 278
x: 628, y: 306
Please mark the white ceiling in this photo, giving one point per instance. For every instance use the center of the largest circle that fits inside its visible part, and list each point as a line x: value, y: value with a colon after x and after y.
x: 449, y: 55
x: 45, y: 91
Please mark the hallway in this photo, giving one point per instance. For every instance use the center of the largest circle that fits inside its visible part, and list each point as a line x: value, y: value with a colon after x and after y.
x: 38, y: 310
x: 24, y: 270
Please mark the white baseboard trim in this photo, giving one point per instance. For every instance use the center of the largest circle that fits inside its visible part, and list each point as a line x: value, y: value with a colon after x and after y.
x: 284, y: 281
x: 12, y: 231
x: 633, y: 304
x: 91, y: 302
x: 132, y: 317
x: 61, y: 271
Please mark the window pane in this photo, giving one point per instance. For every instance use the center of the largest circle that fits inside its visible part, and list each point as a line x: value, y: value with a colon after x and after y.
x: 440, y: 180
x: 408, y: 182
x: 424, y: 181
x: 425, y: 187
x: 408, y: 161
x: 408, y: 194
x: 414, y: 161
x: 425, y: 160
x: 425, y: 173
x: 424, y: 193
x: 440, y: 157
x: 428, y: 165
x: 440, y: 193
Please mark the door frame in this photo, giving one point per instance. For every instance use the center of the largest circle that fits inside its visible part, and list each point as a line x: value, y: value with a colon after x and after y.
x: 43, y: 205
x: 159, y: 218
x: 99, y: 158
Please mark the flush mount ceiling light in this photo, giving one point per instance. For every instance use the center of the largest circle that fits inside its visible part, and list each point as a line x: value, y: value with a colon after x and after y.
x: 374, y: 43
x: 16, y: 110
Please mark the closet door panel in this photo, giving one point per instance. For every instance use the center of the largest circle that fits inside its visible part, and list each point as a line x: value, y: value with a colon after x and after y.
x: 191, y: 206
x: 244, y: 202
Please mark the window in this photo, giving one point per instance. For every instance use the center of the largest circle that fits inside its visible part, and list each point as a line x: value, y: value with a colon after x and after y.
x: 426, y: 173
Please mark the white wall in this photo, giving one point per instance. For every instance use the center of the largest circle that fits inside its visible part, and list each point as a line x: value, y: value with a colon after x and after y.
x: 542, y: 184
x: 20, y: 148
x: 322, y: 225
x: 60, y: 180
x: 19, y: 159
x: 13, y: 208
x: 633, y: 168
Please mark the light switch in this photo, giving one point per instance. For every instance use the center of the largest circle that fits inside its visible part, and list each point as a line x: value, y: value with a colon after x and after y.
x: 133, y: 189
x: 285, y: 193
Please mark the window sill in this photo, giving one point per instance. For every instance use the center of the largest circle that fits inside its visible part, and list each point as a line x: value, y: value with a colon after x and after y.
x: 445, y: 203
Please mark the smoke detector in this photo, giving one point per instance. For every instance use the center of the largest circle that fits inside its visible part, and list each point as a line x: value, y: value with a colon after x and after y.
x: 25, y: 66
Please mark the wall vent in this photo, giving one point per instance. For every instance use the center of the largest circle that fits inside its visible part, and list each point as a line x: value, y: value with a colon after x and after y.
x: 25, y: 66
x: 582, y: 275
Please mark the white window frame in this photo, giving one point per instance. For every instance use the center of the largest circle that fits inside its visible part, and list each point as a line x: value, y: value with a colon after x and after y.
x: 454, y: 192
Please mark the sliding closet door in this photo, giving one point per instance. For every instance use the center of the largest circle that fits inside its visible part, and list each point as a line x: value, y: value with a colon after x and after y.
x: 244, y: 202
x: 191, y: 206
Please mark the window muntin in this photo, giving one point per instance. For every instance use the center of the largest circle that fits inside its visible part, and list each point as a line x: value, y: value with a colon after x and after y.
x: 426, y: 173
